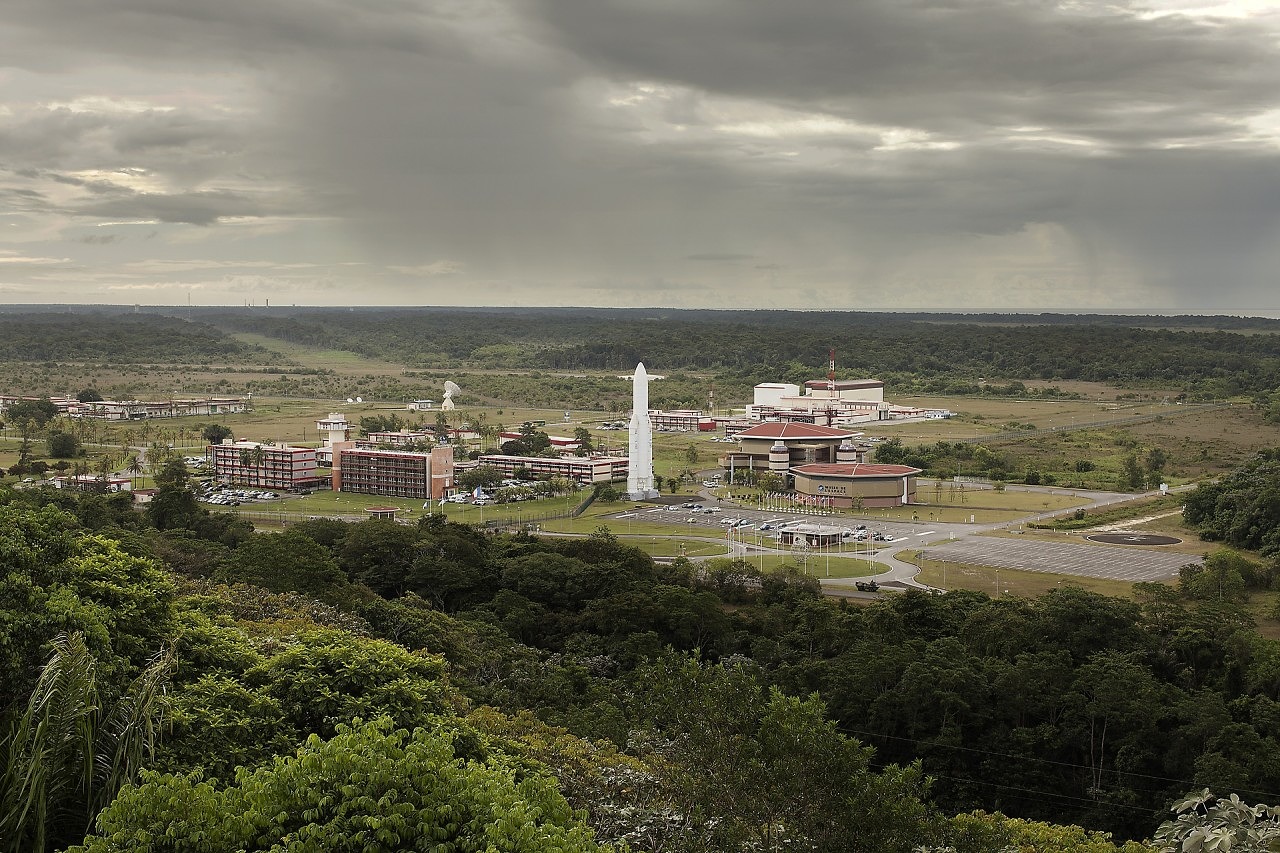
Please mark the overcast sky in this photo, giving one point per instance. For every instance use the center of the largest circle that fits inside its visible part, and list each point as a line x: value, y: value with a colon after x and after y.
x: 955, y: 155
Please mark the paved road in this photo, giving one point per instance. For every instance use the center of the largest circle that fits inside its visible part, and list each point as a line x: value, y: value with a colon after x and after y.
x: 1116, y: 562
x: 961, y: 543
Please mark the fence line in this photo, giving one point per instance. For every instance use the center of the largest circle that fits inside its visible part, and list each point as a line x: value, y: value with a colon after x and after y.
x: 283, y: 517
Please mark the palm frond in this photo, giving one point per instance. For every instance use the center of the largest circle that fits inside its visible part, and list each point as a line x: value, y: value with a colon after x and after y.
x: 48, y: 754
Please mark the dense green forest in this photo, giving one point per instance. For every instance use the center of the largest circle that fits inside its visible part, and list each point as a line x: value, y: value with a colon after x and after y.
x: 924, y: 352
x: 173, y: 674
x: 1242, y: 509
x: 1206, y: 358
x: 118, y: 339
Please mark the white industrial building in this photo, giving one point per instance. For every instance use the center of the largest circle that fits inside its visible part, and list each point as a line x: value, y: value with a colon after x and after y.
x: 828, y: 402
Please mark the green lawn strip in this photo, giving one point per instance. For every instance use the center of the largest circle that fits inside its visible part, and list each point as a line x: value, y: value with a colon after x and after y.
x: 675, y: 547
x: 588, y: 523
x: 346, y: 503
x: 1006, y: 499
x: 1119, y: 513
x: 916, y: 513
x: 339, y: 361
x: 821, y: 567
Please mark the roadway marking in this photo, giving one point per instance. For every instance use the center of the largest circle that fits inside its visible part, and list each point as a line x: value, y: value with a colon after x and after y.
x: 1116, y: 562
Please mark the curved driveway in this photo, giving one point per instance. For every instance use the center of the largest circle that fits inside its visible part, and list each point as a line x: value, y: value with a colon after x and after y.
x: 960, y: 542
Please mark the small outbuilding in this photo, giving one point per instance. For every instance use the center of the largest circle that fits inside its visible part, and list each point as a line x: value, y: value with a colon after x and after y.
x: 811, y: 535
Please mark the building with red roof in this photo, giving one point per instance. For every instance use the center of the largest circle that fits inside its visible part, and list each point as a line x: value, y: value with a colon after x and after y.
x: 779, y: 445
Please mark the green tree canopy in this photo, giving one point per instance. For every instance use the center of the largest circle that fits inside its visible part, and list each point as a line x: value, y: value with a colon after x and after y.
x: 214, y: 433
x: 63, y: 445
x: 370, y: 788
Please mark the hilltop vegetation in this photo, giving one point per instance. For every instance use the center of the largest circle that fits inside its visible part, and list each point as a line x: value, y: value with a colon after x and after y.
x: 516, y: 679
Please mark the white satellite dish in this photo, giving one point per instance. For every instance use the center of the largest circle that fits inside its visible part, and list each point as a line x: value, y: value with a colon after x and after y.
x: 359, y: 399
x: 450, y: 388
x: 349, y: 400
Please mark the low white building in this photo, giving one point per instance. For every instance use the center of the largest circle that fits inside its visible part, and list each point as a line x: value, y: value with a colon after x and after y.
x: 824, y: 401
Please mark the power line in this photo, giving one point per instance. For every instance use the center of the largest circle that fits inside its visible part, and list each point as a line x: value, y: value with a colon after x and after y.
x: 1043, y: 794
x: 1273, y: 797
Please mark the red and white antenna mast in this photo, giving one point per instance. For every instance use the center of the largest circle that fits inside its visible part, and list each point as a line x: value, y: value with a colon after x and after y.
x: 831, y: 372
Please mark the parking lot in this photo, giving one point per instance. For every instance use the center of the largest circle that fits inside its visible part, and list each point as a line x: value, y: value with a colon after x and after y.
x: 1113, y: 562
x: 714, y: 518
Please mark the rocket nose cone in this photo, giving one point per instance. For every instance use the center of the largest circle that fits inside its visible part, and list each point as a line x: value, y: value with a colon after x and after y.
x: 640, y: 369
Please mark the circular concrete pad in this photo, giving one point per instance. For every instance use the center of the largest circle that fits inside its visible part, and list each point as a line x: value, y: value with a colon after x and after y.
x: 1133, y: 539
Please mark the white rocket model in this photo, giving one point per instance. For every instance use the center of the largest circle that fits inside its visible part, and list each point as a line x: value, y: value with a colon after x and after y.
x: 640, y: 432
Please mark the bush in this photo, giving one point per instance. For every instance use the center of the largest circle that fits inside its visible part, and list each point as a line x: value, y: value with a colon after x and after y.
x: 63, y: 445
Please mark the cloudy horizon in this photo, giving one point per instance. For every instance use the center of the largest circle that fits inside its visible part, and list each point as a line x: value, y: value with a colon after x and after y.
x: 893, y: 155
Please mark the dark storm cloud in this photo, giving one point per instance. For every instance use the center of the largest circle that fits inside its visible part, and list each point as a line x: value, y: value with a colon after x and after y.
x: 155, y: 32
x: 954, y: 66
x: 562, y: 150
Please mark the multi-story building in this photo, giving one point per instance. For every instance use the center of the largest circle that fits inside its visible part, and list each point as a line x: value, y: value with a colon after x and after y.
x: 825, y: 401
x: 138, y: 410
x: 587, y: 470
x: 776, y: 446
x: 268, y: 466
x: 401, y: 438
x: 393, y: 473
x: 682, y: 420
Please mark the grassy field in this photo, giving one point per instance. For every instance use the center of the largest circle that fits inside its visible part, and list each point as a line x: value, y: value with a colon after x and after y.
x: 346, y: 503
x: 339, y: 361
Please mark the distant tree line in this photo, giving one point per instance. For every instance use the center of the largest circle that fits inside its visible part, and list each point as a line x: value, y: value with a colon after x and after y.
x: 933, y: 352
x: 118, y: 339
